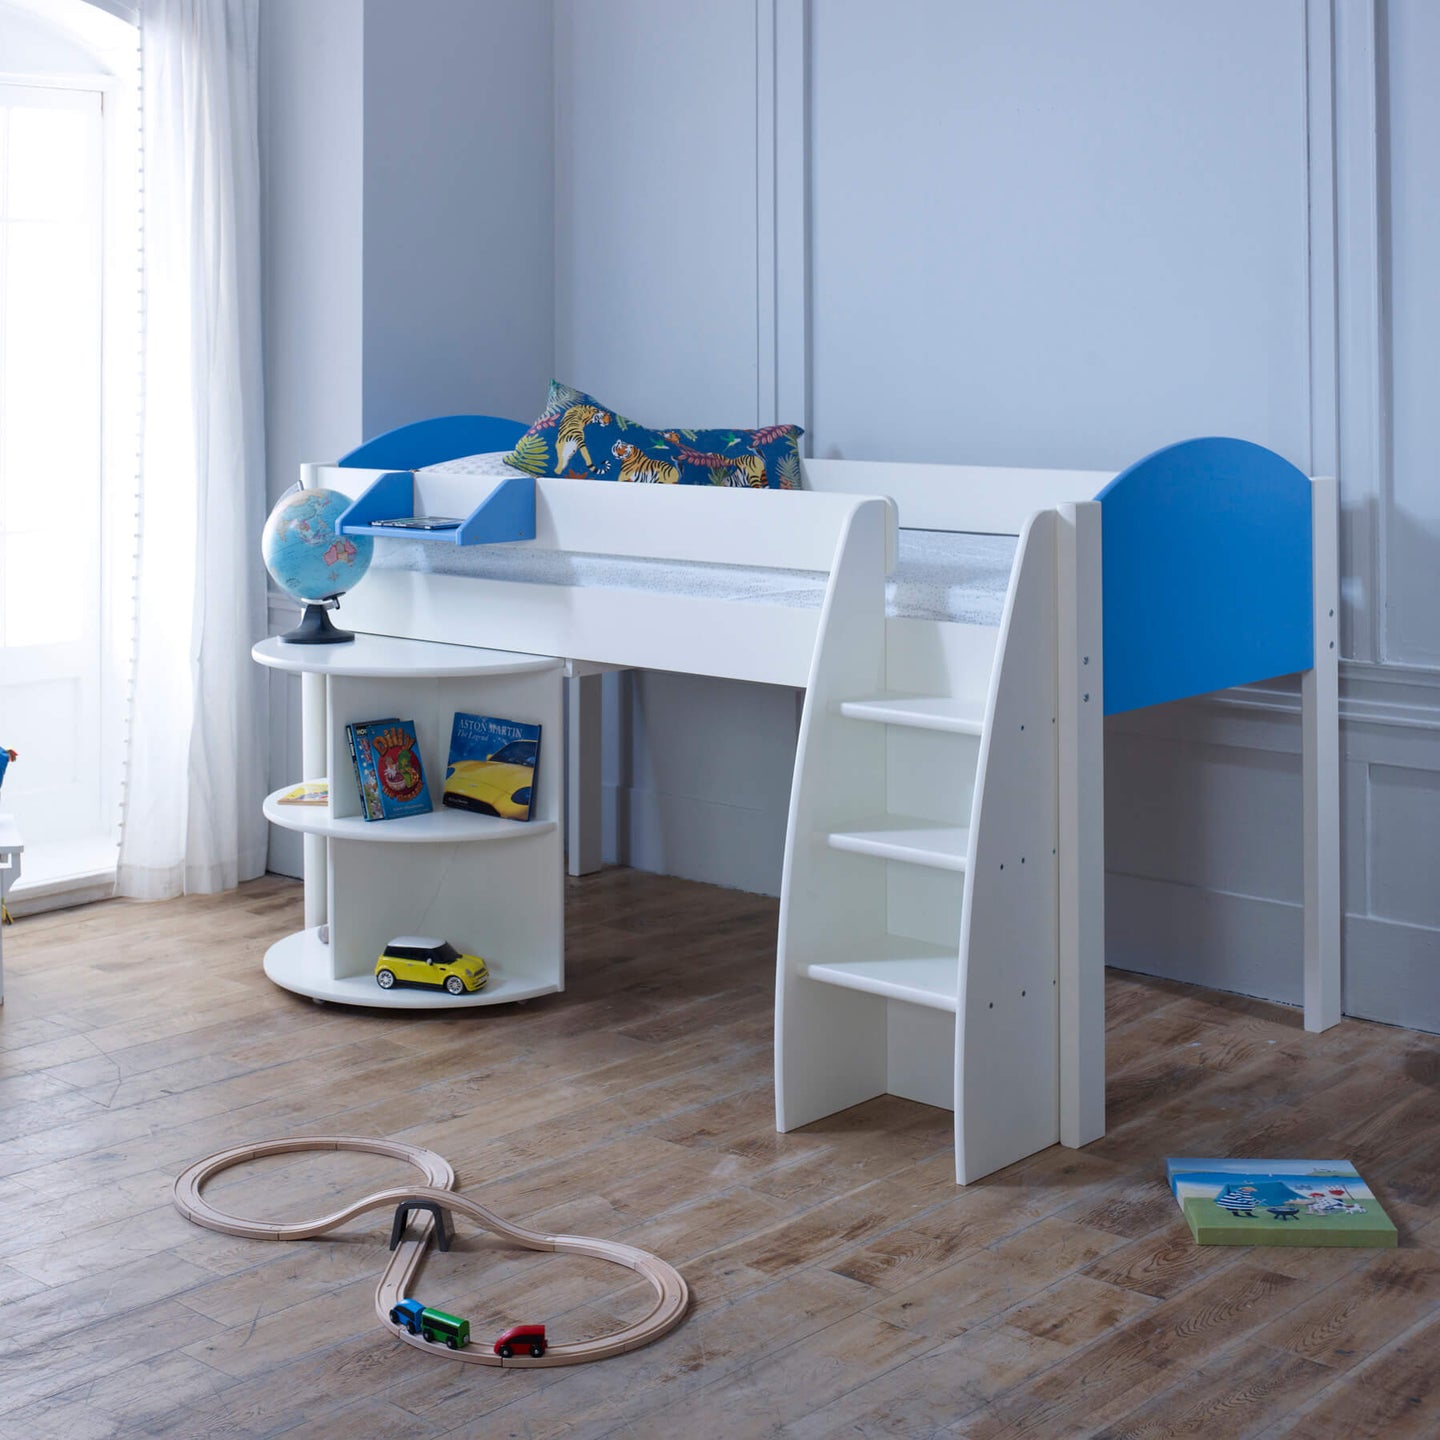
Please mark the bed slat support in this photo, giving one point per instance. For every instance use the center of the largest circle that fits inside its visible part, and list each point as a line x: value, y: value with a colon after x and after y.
x: 1320, y: 769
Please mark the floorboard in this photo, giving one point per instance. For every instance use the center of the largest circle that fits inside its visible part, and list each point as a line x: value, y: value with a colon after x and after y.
x: 844, y: 1286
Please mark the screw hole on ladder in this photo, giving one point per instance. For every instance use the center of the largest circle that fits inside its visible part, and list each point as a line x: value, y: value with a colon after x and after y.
x: 1085, y: 698
x: 992, y: 1004
x: 1022, y: 727
x: 1022, y: 994
x: 1002, y: 864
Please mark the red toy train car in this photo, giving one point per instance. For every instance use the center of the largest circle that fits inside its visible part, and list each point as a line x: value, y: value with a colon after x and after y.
x: 521, y: 1337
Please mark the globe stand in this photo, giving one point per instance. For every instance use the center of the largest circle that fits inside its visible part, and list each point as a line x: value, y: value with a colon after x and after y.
x: 315, y: 627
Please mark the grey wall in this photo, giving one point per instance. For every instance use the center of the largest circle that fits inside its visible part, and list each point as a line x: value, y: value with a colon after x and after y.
x: 459, y: 209
x: 656, y: 267
x: 1057, y: 235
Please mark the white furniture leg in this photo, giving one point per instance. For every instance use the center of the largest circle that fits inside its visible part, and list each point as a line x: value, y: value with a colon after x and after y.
x: 314, y: 766
x: 1080, y: 725
x: 1320, y: 751
x: 583, y: 807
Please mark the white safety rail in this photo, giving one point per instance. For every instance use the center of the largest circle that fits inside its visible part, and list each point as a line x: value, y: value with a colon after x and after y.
x: 695, y: 633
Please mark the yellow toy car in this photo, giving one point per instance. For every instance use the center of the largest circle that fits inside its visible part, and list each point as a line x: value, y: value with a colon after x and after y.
x: 419, y: 960
x: 501, y: 785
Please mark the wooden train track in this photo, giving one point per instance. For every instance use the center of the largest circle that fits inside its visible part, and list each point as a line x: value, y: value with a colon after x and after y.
x: 672, y: 1295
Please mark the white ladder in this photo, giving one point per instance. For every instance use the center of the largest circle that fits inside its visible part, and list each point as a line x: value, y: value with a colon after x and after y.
x: 918, y: 949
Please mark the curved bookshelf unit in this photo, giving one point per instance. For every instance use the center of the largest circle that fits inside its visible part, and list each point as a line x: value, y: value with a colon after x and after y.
x: 491, y: 887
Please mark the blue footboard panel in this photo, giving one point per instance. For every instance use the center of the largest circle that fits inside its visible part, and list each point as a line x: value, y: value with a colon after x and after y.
x: 1207, y: 572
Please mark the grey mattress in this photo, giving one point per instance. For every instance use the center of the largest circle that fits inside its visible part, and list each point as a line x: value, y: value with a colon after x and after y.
x: 940, y: 575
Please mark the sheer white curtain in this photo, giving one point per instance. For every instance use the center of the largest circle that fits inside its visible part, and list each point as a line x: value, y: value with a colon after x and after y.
x: 195, y: 773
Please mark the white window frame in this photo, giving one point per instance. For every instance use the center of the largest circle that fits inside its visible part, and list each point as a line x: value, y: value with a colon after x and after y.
x: 122, y: 301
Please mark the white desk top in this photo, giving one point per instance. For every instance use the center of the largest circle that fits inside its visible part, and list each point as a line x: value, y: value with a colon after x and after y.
x: 386, y: 655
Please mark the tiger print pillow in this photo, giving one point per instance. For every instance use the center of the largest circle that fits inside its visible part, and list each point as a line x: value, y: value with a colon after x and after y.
x: 577, y: 437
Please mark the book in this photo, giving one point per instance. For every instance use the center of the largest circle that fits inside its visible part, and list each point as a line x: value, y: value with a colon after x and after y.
x: 307, y: 792
x: 492, y: 766
x: 367, y: 781
x: 388, y: 768
x: 1278, y: 1202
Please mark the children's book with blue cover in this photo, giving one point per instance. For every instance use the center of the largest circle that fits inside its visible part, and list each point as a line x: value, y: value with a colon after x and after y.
x: 366, y: 780
x: 1278, y: 1202
x: 392, y: 779
x: 492, y: 766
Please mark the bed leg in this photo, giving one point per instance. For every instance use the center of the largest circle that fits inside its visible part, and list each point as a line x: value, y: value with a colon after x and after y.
x: 1080, y: 741
x: 583, y: 808
x: 1320, y: 765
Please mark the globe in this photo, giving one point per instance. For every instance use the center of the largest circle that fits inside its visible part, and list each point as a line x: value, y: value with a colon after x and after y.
x: 309, y: 559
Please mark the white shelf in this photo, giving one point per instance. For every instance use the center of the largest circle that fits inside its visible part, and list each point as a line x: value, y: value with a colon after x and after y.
x: 899, y: 969
x: 901, y: 837
x: 442, y: 826
x: 386, y: 657
x: 919, y: 712
x: 301, y: 962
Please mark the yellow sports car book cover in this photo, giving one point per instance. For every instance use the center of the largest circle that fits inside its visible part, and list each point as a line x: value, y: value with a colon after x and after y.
x: 1278, y: 1202
x: 492, y: 766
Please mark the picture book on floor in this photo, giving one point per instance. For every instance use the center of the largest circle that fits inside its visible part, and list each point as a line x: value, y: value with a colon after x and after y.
x: 388, y: 769
x: 1277, y: 1202
x: 492, y: 766
x: 307, y: 792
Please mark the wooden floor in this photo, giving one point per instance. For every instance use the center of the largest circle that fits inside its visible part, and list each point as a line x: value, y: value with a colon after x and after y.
x: 844, y: 1286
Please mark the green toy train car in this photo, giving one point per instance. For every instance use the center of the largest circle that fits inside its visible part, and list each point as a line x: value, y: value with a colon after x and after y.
x: 432, y: 1325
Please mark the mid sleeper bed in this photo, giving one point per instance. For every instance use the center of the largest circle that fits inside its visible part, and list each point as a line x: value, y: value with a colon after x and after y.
x: 960, y: 633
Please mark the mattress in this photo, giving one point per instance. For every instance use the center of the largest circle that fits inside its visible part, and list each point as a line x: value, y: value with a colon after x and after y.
x: 939, y: 575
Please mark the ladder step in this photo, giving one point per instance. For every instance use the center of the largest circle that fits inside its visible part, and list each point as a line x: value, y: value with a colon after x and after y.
x: 897, y: 968
x: 900, y: 837
x: 920, y: 712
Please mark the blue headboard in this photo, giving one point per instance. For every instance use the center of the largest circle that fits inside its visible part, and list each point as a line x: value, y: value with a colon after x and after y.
x: 432, y: 442
x: 1207, y: 571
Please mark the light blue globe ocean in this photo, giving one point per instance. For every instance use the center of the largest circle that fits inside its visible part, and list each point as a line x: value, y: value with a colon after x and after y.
x: 304, y: 553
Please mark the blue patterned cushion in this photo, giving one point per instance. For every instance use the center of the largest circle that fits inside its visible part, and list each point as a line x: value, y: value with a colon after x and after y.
x: 578, y: 437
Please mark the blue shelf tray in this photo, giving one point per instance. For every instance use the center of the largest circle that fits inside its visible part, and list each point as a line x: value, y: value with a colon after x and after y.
x: 506, y: 513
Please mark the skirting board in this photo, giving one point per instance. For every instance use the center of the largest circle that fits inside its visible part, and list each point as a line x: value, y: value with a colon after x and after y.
x: 1253, y: 946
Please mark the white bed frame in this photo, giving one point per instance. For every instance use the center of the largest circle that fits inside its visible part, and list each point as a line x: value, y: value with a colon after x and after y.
x: 941, y: 929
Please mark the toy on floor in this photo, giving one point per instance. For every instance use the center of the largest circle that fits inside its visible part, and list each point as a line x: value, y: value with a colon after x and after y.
x: 433, y: 1326
x: 395, y: 1310
x: 420, y: 960
x: 522, y: 1337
